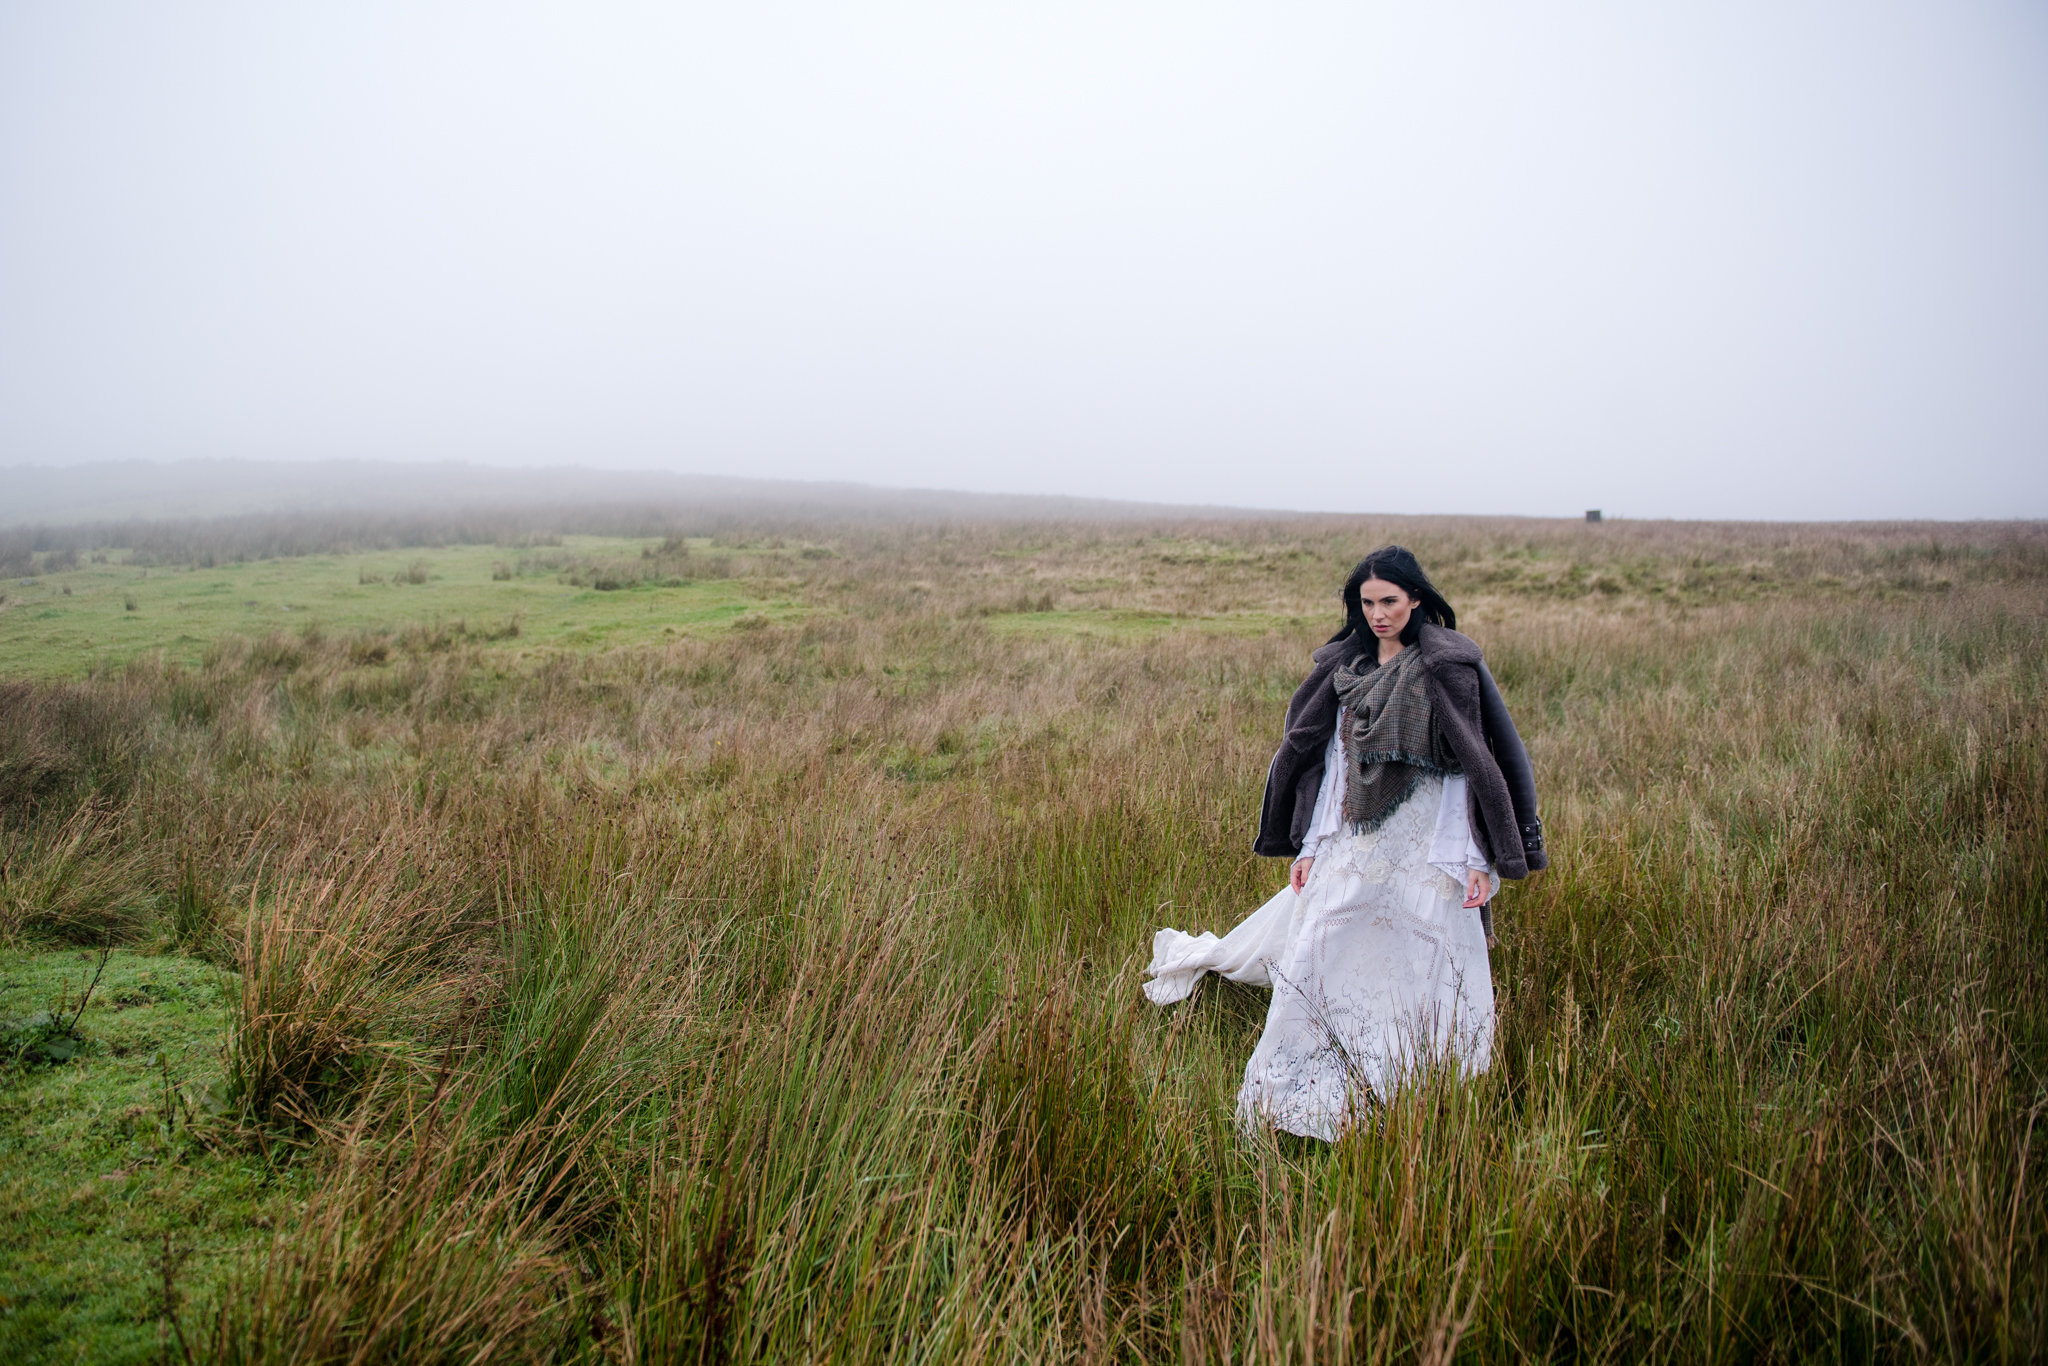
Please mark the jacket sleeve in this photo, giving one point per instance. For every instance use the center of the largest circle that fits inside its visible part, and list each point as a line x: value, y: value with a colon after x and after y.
x: 1513, y: 758
x: 1296, y: 773
x: 1276, y: 837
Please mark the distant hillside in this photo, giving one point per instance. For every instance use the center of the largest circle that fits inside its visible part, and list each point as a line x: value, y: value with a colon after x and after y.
x: 145, y: 490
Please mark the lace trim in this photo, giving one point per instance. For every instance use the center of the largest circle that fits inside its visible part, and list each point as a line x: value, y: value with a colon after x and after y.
x: 1374, y: 856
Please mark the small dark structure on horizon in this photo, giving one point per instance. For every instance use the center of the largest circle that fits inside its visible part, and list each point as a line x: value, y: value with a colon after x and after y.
x: 1592, y: 514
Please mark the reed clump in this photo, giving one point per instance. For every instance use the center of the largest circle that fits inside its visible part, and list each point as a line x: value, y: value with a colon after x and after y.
x: 774, y: 996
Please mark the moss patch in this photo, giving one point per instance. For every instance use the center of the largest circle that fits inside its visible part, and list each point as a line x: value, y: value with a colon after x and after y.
x: 102, y: 615
x: 103, y: 1177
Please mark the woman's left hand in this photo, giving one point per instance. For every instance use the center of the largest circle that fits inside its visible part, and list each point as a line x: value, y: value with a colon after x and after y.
x: 1478, y: 888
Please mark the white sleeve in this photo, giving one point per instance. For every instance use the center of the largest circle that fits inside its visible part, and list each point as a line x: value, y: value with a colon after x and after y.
x: 1329, y: 813
x: 1452, y: 847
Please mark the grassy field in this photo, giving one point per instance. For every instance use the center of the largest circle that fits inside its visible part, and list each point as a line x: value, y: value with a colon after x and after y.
x: 101, y: 1196
x: 740, y: 962
x: 97, y: 616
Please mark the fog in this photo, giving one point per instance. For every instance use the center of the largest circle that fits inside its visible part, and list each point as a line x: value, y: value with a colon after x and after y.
x: 1712, y: 260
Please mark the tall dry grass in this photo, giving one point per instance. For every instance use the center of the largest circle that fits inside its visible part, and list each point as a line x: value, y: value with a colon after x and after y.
x: 775, y: 997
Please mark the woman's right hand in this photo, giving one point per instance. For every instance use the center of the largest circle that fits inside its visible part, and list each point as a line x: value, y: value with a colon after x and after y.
x: 1297, y: 876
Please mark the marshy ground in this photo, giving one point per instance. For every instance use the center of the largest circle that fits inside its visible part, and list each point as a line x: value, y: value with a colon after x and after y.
x: 725, y: 944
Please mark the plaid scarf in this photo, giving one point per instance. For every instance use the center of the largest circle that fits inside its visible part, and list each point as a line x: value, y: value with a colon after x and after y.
x: 1391, y: 739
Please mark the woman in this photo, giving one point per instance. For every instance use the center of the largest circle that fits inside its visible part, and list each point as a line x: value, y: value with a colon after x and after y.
x: 1404, y: 795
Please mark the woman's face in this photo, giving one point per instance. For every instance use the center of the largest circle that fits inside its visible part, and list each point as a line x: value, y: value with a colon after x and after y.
x: 1387, y: 607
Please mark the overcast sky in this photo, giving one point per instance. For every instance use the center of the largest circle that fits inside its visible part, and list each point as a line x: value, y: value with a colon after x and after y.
x: 1784, y: 259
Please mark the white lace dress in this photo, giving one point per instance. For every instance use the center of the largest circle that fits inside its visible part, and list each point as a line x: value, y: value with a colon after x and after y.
x: 1377, y: 967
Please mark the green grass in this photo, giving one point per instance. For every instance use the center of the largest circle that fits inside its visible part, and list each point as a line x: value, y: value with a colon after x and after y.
x: 103, y: 1176
x: 181, y: 610
x: 1128, y: 625
x: 771, y: 993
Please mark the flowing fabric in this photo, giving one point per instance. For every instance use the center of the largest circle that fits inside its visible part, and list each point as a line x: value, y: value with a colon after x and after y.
x: 1377, y: 968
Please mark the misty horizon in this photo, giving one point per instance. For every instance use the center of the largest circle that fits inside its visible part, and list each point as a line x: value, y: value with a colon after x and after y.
x: 1735, y: 263
x: 199, y: 492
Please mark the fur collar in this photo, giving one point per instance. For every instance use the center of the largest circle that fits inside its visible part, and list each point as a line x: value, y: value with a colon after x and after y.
x: 1439, y: 646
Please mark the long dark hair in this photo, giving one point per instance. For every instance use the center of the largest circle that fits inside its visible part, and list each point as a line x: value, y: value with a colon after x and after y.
x: 1398, y: 566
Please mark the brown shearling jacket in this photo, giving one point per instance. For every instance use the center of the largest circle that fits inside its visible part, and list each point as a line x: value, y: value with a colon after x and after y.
x: 1500, y: 785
